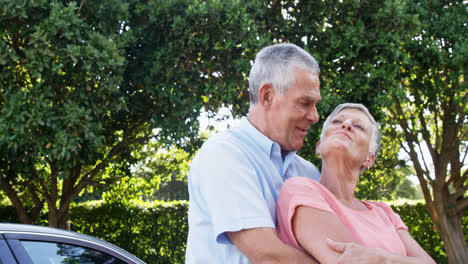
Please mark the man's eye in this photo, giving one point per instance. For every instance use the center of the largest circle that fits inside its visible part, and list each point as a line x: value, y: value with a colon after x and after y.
x: 336, y: 121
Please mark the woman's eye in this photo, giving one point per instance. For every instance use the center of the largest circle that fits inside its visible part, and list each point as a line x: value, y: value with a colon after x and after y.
x: 359, y: 127
x: 336, y: 121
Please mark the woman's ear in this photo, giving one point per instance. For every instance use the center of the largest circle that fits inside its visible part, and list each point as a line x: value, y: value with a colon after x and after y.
x: 266, y: 94
x: 370, y: 160
x: 317, y: 148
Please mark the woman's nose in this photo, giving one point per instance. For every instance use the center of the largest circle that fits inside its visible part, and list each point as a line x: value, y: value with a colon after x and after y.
x: 347, y: 125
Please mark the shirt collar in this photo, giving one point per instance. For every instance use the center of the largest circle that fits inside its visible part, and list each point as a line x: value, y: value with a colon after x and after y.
x: 266, y: 144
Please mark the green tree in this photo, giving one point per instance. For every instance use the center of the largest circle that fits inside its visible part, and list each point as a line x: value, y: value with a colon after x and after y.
x: 430, y: 112
x: 161, y: 174
x: 408, y: 190
x: 84, y: 84
x: 354, y: 43
x: 406, y: 61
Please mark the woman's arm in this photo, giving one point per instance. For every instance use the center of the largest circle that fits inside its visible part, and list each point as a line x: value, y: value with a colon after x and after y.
x: 353, y: 253
x: 313, y: 228
x: 413, y: 248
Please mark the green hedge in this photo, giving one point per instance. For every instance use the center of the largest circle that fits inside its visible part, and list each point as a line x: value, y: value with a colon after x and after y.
x: 420, y: 226
x: 156, y: 232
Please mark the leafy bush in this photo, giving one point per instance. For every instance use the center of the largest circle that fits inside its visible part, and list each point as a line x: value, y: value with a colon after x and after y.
x: 156, y: 232
x: 416, y: 217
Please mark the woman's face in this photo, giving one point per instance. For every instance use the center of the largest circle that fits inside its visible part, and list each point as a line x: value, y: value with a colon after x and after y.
x: 349, y: 134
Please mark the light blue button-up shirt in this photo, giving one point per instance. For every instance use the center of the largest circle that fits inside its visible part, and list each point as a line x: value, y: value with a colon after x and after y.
x: 234, y: 183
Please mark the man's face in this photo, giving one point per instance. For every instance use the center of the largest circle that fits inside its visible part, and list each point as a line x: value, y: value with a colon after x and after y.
x: 290, y: 115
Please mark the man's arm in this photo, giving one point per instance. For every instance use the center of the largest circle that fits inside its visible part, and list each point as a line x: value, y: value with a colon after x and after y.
x: 262, y: 245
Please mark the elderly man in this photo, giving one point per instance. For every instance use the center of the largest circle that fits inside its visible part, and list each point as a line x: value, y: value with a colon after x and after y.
x: 236, y: 177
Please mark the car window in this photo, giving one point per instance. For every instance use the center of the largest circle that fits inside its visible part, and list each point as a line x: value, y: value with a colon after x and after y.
x: 5, y: 254
x: 57, y: 253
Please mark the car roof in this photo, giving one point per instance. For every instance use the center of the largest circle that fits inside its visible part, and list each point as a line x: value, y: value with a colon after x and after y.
x: 8, y: 228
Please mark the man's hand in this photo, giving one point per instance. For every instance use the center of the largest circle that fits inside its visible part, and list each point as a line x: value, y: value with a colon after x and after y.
x: 353, y: 253
x: 262, y: 245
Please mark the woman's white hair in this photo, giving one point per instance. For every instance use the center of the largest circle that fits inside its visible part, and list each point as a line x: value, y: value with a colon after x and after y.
x: 276, y: 64
x: 375, y: 143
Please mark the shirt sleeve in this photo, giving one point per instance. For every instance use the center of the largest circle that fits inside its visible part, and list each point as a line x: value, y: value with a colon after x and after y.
x: 394, y: 217
x: 298, y: 191
x: 230, y: 190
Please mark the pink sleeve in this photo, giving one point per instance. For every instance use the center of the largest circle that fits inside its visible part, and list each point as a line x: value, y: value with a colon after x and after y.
x: 297, y: 191
x: 394, y: 217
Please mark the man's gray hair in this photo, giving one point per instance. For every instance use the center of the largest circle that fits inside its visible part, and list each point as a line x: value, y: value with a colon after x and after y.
x: 276, y: 64
x: 375, y: 132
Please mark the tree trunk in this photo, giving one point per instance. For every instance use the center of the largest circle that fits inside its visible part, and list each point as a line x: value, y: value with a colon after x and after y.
x: 59, y: 219
x: 15, y: 200
x: 451, y: 232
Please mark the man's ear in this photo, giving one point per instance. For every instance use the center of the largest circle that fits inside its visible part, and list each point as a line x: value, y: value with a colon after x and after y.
x: 266, y: 94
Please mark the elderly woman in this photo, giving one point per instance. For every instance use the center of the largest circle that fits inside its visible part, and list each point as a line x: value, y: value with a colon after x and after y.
x: 311, y: 213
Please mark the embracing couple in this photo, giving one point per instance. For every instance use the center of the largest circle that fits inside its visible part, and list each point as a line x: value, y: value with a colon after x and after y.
x: 254, y: 200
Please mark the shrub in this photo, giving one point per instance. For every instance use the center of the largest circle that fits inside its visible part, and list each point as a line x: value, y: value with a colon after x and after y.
x: 156, y: 232
x: 420, y: 226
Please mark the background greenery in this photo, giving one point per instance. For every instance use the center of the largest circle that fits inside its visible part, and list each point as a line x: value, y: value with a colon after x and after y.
x: 100, y: 100
x: 156, y: 232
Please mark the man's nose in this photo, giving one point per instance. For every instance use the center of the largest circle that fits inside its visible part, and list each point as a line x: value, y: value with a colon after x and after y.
x: 312, y: 115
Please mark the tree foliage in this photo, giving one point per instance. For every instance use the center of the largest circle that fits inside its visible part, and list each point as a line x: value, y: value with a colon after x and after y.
x: 86, y: 83
x: 430, y: 113
x: 406, y: 61
x: 161, y: 174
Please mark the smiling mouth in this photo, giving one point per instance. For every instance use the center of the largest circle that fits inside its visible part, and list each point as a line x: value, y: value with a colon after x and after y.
x: 302, y: 131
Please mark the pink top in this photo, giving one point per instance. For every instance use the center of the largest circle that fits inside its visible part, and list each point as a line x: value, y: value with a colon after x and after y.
x: 376, y: 228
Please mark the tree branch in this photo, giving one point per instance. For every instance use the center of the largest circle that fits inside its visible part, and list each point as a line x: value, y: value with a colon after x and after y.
x: 106, y: 180
x: 410, y: 139
x: 53, y: 186
x: 424, y: 132
x: 437, y: 129
x: 67, y: 188
x: 116, y: 150
x: 460, y: 192
x: 38, y: 204
x: 81, y: 5
x: 464, y: 155
x: 460, y: 206
x: 42, y: 184
x: 422, y: 158
x: 275, y: 4
x: 15, y: 200
x: 16, y: 46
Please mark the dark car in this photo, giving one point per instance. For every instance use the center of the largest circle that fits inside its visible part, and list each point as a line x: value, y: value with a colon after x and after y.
x: 30, y: 244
